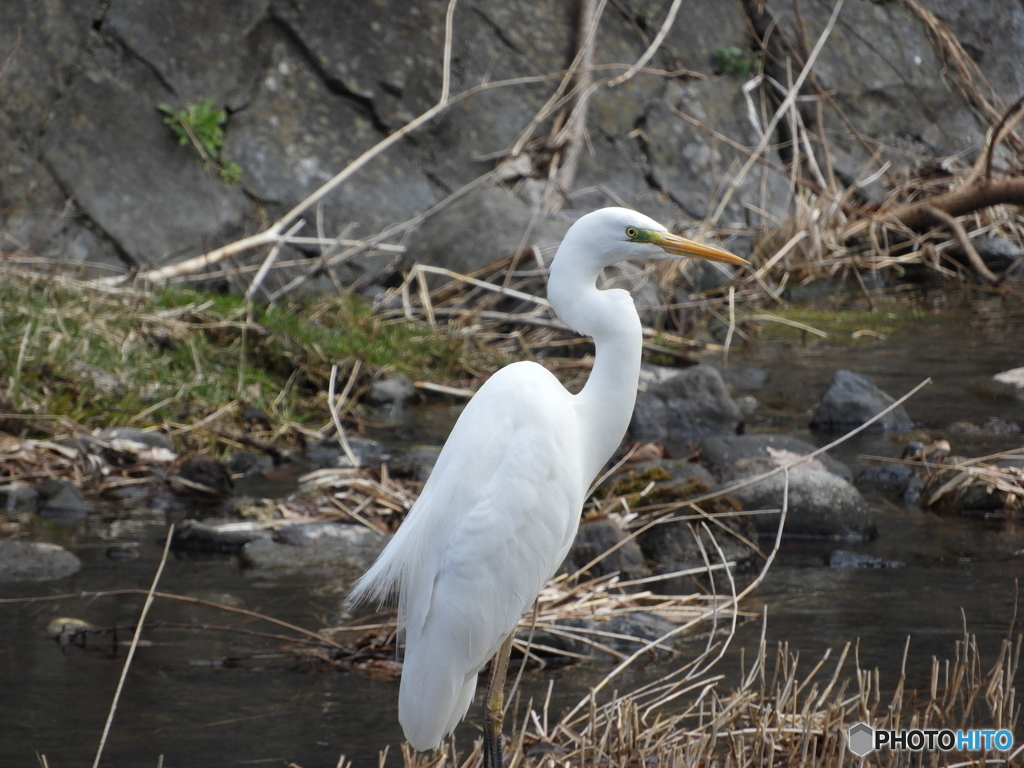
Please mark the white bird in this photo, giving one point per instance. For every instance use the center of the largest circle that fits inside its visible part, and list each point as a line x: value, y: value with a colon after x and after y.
x: 500, y: 509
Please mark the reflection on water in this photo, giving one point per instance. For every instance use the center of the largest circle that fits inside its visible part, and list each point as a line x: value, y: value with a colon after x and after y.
x: 206, y: 697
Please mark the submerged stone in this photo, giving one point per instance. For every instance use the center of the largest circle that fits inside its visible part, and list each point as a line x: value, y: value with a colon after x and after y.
x: 35, y: 561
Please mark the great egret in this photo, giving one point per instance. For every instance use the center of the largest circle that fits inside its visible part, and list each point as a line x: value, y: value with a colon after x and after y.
x: 501, y: 507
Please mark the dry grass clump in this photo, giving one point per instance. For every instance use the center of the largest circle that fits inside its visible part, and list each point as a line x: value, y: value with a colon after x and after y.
x: 781, y: 714
x: 979, y: 484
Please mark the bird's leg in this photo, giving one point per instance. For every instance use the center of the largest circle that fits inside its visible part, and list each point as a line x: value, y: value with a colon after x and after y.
x: 494, y: 713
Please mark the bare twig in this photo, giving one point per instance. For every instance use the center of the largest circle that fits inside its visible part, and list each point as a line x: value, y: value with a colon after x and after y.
x: 337, y: 417
x: 783, y: 109
x: 134, y: 645
x: 965, y: 242
x: 653, y: 47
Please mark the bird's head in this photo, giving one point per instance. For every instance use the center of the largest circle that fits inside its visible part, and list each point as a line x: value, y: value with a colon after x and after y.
x: 610, y: 235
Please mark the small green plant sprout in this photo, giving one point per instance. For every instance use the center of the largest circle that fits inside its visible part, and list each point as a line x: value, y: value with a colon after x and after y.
x: 201, y: 125
x: 734, y: 61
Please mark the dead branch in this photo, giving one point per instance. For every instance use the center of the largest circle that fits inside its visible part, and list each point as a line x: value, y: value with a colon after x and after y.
x: 921, y: 215
x: 965, y: 242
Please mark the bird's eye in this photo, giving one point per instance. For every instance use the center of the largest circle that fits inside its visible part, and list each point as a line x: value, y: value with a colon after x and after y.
x: 632, y: 232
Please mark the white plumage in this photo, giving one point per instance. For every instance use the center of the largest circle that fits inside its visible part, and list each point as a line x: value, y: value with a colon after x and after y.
x: 502, y: 505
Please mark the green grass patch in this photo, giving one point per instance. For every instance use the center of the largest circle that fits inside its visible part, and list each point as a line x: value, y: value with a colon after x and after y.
x: 107, y: 359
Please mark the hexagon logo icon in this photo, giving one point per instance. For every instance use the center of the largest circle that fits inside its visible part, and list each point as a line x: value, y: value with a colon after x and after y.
x: 860, y: 739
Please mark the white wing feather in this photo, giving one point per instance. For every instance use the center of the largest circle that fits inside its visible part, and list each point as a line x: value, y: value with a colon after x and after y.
x: 492, y: 525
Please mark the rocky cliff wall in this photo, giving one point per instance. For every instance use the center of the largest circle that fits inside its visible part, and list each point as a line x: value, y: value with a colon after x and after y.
x: 90, y: 174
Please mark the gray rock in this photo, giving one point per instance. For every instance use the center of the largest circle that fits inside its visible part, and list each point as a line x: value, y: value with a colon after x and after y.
x: 628, y: 631
x: 673, y: 547
x: 998, y: 253
x: 394, y: 391
x: 37, y: 218
x: 42, y: 44
x: 202, y: 476
x: 146, y: 437
x: 248, y: 463
x: 446, y: 241
x: 900, y: 99
x: 368, y: 452
x: 820, y: 506
x: 841, y: 558
x: 851, y: 400
x: 692, y: 403
x: 355, y: 44
x: 986, y: 32
x: 1012, y: 380
x: 35, y: 561
x: 734, y: 456
x: 618, y: 171
x: 747, y: 404
x: 12, y: 498
x: 296, y: 134
x: 109, y: 148
x: 499, y: 41
x: 596, y: 537
x: 688, y: 162
x: 218, y: 535
x: 416, y: 463
x: 123, y: 553
x: 187, y: 42
x: 60, y: 498
x: 315, y: 545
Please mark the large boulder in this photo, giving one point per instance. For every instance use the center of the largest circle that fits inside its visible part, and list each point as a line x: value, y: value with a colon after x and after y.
x: 821, y: 503
x: 733, y: 456
x: 851, y: 400
x: 692, y: 403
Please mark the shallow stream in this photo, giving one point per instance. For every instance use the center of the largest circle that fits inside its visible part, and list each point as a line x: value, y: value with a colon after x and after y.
x: 208, y: 697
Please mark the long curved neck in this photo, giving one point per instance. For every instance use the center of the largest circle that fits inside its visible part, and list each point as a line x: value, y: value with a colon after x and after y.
x: 605, y: 405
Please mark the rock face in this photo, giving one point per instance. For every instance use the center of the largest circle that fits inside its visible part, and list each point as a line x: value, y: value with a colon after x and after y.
x: 692, y: 403
x: 851, y: 400
x: 91, y: 175
x: 35, y: 561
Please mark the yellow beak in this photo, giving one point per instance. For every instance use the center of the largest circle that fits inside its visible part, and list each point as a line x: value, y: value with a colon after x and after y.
x: 677, y: 245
